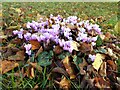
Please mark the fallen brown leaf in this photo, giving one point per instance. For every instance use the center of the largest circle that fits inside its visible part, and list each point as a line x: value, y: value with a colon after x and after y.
x: 36, y: 66
x: 60, y: 70
x: 66, y: 63
x: 19, y: 56
x: 64, y: 84
x: 35, y: 44
x: 6, y: 66
x: 39, y: 51
x: 82, y: 65
x: 102, y: 70
x: 100, y: 82
x: 86, y: 47
x: 30, y: 72
x: 57, y: 49
x: 112, y: 64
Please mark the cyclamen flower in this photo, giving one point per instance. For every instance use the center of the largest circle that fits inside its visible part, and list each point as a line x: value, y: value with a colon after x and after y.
x: 15, y: 32
x: 27, y: 36
x: 19, y: 33
x: 28, y: 48
x: 72, y: 19
x: 40, y: 38
x: 67, y: 32
x: 29, y: 25
x: 34, y: 36
x: 61, y: 42
x: 82, y: 30
x: 82, y: 36
x: 93, y: 39
x: 92, y: 57
x: 93, y: 43
x: 67, y: 46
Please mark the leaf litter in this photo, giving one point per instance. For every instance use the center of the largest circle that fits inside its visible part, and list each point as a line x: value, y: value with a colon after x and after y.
x: 87, y: 58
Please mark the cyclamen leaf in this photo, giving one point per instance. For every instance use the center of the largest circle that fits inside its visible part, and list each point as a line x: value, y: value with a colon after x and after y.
x: 102, y: 50
x: 44, y: 58
x: 99, y: 41
x: 77, y: 61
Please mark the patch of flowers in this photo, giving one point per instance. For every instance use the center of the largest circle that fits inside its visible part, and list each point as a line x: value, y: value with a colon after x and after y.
x: 61, y: 31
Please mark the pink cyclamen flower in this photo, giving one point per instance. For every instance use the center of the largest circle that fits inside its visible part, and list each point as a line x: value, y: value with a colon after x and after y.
x: 93, y: 39
x: 92, y: 57
x: 29, y: 25
x: 61, y: 42
x: 20, y: 33
x: 15, y: 32
x: 28, y: 48
x: 28, y: 52
x: 34, y: 37
x: 27, y: 36
x: 67, y: 46
x: 82, y: 36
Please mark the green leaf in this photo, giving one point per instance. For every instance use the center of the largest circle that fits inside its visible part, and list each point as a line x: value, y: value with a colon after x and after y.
x: 32, y: 58
x: 99, y: 41
x: 101, y: 50
x: 44, y: 58
x: 77, y: 61
x: 63, y: 55
x: 44, y: 62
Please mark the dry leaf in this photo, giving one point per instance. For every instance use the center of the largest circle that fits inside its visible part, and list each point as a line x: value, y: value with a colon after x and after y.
x: 102, y: 36
x: 8, y: 52
x: 81, y: 65
x: 64, y: 84
x: 101, y: 82
x: 98, y: 61
x: 110, y: 52
x: 102, y: 70
x: 57, y: 49
x: 20, y: 55
x: 71, y: 26
x: 36, y: 66
x: 75, y: 45
x: 86, y: 47
x: 60, y: 70
x: 6, y: 66
x: 112, y: 65
x: 66, y: 63
x: 30, y: 72
x: 107, y: 36
x: 16, y: 41
x: 40, y: 17
x: 39, y: 51
x: 35, y: 44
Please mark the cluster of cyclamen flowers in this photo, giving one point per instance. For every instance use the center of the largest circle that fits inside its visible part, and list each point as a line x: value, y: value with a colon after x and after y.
x: 55, y: 29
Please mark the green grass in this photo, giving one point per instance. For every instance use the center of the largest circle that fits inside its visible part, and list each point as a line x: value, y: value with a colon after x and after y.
x: 83, y: 10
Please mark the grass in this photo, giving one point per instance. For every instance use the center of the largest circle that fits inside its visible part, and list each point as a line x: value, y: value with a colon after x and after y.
x: 84, y: 10
x: 106, y: 10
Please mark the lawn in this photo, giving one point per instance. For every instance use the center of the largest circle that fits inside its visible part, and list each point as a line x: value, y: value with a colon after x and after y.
x: 28, y: 72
